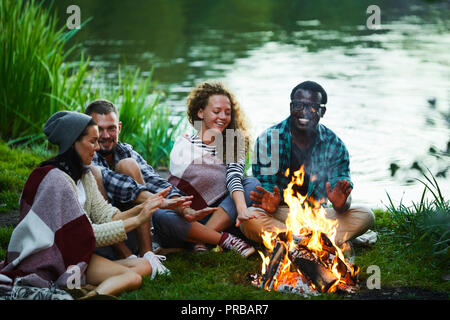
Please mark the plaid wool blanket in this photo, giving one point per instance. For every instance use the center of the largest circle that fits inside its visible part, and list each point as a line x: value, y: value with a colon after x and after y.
x: 191, y: 167
x: 53, y: 235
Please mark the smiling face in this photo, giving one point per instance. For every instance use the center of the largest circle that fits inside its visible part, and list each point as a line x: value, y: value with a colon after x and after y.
x: 216, y: 115
x: 87, y: 145
x: 307, y: 118
x: 109, y: 128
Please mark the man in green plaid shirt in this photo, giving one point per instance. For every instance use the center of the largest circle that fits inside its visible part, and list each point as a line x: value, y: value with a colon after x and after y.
x: 299, y: 141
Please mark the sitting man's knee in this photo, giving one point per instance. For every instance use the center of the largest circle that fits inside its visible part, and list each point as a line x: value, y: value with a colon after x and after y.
x: 365, y: 215
x: 254, y: 228
x: 370, y: 217
x: 131, y: 168
x: 127, y: 165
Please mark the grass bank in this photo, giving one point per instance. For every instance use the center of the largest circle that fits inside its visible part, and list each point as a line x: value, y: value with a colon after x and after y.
x: 408, y: 252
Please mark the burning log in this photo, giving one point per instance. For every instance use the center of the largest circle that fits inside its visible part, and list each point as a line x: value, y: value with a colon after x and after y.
x: 310, y: 266
x: 273, y: 268
x: 304, y: 254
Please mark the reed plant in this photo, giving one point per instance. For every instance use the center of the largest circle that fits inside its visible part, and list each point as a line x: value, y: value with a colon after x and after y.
x: 36, y: 80
x: 425, y: 220
x: 146, y: 121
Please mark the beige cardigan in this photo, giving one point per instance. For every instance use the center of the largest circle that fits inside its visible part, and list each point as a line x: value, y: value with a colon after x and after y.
x: 100, y: 213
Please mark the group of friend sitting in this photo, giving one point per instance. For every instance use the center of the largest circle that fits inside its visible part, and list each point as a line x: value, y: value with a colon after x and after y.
x: 98, y: 205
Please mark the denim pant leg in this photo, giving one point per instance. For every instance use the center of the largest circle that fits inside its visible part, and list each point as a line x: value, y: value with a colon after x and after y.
x: 170, y: 230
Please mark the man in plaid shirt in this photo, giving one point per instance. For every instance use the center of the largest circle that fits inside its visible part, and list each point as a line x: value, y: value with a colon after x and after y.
x: 284, y: 148
x: 125, y: 179
x: 121, y: 188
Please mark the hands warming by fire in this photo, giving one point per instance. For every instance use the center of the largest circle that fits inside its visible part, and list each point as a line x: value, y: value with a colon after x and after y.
x: 339, y: 195
x: 269, y: 201
x: 266, y: 200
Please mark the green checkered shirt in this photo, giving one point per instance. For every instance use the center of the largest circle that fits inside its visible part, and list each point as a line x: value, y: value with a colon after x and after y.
x: 329, y: 159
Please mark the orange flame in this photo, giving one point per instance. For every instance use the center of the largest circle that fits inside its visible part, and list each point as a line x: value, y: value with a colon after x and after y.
x: 306, y: 217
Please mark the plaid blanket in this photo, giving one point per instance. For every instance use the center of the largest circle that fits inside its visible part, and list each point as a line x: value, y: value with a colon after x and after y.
x: 196, y: 172
x: 53, y: 234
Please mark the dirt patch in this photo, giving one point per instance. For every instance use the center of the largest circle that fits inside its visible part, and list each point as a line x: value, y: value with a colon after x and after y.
x: 9, y: 218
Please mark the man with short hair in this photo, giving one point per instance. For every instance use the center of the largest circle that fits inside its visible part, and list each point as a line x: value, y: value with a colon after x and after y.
x: 125, y: 179
x: 301, y: 140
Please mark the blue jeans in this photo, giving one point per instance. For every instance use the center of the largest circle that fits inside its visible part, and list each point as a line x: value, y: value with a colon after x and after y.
x: 171, y: 230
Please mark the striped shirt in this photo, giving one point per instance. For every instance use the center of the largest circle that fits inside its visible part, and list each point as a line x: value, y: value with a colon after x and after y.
x: 235, y: 171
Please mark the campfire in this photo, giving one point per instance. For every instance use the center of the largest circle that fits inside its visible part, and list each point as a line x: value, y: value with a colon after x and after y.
x: 305, y: 259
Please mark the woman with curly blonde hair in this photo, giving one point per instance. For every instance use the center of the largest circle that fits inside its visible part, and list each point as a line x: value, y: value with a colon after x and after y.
x: 198, y: 168
x: 197, y: 101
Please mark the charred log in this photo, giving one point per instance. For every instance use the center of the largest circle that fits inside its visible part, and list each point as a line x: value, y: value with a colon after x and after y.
x: 309, y: 265
x: 278, y: 254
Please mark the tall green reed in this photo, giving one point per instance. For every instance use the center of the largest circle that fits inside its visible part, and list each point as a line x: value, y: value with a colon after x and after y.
x: 35, y: 80
x: 146, y: 122
x: 425, y: 220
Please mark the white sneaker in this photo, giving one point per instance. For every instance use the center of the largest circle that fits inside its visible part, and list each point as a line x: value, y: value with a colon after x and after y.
x: 155, y: 262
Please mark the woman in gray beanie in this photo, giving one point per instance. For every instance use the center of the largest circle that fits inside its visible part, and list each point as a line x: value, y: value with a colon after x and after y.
x: 64, y: 190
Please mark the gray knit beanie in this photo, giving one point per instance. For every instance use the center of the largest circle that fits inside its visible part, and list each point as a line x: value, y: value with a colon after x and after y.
x: 64, y: 127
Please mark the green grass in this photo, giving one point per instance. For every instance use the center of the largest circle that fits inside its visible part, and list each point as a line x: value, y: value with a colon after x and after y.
x: 206, y: 276
x: 5, y: 235
x: 15, y: 167
x: 411, y: 249
x: 223, y: 275
x: 403, y: 261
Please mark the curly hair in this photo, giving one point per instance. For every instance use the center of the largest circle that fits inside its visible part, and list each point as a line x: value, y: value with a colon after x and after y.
x: 198, y: 99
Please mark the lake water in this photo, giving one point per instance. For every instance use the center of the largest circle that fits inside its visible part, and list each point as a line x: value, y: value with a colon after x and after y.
x: 379, y: 82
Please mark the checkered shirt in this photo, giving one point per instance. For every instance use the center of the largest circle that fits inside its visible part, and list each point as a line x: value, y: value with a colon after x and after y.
x: 329, y: 159
x: 122, y: 188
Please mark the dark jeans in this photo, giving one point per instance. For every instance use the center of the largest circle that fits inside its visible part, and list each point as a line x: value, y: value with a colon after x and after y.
x: 171, y: 230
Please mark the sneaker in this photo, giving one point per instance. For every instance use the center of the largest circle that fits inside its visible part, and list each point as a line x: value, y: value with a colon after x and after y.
x: 156, y: 247
x: 199, y: 248
x: 230, y: 242
x: 155, y: 262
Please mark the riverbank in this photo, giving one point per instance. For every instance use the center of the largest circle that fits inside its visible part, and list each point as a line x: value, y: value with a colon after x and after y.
x: 409, y: 265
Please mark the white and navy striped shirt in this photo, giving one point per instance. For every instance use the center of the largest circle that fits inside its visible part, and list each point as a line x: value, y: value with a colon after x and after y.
x: 235, y: 171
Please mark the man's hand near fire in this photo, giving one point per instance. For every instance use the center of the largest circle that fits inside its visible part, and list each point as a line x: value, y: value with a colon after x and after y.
x: 339, y: 196
x: 268, y: 201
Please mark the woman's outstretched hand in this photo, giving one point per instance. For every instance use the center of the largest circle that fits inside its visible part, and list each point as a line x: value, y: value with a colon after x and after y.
x: 192, y: 215
x: 148, y: 208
